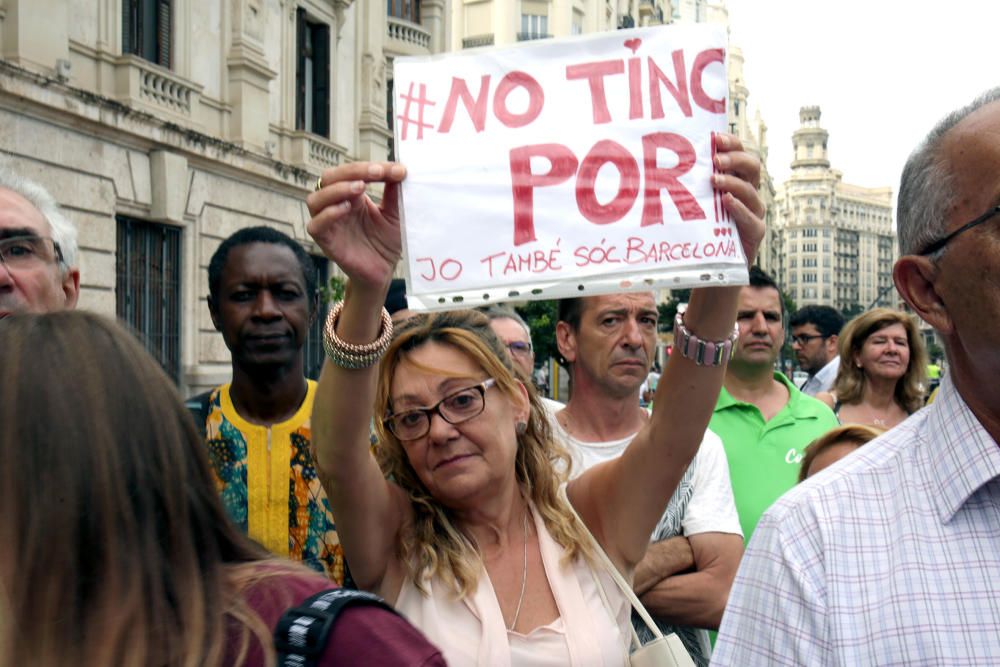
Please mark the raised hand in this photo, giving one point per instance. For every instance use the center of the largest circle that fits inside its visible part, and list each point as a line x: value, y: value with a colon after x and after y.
x: 362, y: 237
x: 738, y: 178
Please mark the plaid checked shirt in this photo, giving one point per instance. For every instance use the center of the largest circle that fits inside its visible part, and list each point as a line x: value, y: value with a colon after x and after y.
x: 890, y: 557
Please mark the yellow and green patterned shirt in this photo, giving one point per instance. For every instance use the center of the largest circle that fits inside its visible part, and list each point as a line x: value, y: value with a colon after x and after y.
x: 268, y: 483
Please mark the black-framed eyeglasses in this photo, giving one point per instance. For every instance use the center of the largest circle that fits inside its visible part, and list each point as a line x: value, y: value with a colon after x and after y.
x: 943, y: 241
x: 803, y: 339
x: 454, y: 408
x: 519, y: 348
x: 21, y: 251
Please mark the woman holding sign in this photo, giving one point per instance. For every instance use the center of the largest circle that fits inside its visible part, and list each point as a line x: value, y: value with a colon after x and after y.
x: 465, y: 521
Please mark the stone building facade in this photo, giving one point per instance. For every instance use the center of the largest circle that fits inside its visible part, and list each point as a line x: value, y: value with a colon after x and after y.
x: 752, y: 131
x: 162, y: 126
x: 501, y: 22
x: 838, y: 243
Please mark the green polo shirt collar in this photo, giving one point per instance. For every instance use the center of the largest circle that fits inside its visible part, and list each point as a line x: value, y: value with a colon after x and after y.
x: 796, y: 407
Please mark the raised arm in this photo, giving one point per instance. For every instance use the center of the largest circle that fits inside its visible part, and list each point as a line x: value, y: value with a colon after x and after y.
x: 363, y: 238
x: 623, y: 499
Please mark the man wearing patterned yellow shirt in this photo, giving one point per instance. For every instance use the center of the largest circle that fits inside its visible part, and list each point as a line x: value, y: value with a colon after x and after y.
x: 262, y: 298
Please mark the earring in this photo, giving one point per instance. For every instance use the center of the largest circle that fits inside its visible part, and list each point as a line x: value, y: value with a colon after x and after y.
x: 521, y: 428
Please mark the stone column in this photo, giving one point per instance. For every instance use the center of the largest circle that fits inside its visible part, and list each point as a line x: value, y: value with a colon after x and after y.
x: 168, y: 177
x: 434, y: 19
x: 36, y: 33
x: 373, y: 134
x: 249, y: 75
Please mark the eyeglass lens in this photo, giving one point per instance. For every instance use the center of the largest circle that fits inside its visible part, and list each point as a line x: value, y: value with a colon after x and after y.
x: 455, y: 409
x: 21, y: 251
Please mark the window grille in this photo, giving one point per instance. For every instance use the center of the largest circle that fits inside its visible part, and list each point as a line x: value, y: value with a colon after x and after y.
x: 148, y: 286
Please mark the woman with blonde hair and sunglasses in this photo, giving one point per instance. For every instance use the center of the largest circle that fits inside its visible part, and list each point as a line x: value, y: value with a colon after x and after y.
x: 882, y: 365
x: 461, y: 521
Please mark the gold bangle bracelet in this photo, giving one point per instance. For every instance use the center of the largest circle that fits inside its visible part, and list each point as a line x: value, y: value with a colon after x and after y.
x: 350, y: 355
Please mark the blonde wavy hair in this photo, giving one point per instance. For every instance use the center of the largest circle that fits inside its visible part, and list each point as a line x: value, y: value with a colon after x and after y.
x: 435, y: 546
x: 849, y: 386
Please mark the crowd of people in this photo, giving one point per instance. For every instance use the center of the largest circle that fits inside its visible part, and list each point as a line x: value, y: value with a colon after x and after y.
x: 457, y: 516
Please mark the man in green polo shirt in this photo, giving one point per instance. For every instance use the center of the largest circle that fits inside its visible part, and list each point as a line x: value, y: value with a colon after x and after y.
x: 764, y: 421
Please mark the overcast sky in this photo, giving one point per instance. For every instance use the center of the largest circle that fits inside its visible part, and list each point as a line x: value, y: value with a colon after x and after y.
x: 882, y: 71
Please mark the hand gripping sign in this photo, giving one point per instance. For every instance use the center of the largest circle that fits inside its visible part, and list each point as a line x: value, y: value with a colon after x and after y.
x: 564, y: 168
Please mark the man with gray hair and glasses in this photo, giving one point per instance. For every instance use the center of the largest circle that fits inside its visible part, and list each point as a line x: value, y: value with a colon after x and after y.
x: 38, y: 271
x: 892, y: 555
x: 515, y: 334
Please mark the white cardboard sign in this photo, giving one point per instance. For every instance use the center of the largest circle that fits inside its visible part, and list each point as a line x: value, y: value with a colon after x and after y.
x: 564, y: 168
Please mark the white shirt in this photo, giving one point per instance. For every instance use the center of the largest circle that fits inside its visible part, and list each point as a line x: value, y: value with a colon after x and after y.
x: 702, y: 503
x: 649, y: 384
x: 711, y: 508
x: 550, y: 405
x: 823, y: 380
x: 891, y: 556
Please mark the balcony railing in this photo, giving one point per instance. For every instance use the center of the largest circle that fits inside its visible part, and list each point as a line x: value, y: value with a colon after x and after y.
x: 170, y: 93
x: 315, y: 152
x: 528, y: 36
x: 141, y: 83
x: 477, y: 40
x: 323, y: 154
x: 408, y: 33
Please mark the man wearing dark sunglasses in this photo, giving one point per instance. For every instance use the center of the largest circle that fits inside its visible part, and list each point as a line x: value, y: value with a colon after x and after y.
x: 38, y: 270
x: 892, y: 555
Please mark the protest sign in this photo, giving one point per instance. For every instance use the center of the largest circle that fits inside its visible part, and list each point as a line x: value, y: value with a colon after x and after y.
x: 564, y: 168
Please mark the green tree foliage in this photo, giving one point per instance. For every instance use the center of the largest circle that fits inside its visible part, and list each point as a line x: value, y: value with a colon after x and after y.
x: 668, y: 309
x: 333, y: 291
x: 786, y: 350
x: 852, y: 311
x: 789, y: 303
x: 541, y: 316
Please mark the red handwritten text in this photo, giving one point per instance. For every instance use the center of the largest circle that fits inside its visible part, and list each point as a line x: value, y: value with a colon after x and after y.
x: 447, y: 269
x: 563, y: 165
x: 596, y: 72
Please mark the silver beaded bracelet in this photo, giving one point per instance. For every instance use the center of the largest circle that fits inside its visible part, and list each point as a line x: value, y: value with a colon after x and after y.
x: 700, y: 351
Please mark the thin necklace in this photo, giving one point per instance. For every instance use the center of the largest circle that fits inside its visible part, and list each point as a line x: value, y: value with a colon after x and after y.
x: 524, y: 574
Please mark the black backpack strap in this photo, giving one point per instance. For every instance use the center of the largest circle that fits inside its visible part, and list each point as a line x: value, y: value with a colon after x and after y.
x: 348, y: 577
x: 302, y: 632
x: 198, y: 406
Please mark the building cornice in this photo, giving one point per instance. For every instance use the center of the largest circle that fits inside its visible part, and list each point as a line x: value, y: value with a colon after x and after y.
x: 116, y: 121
